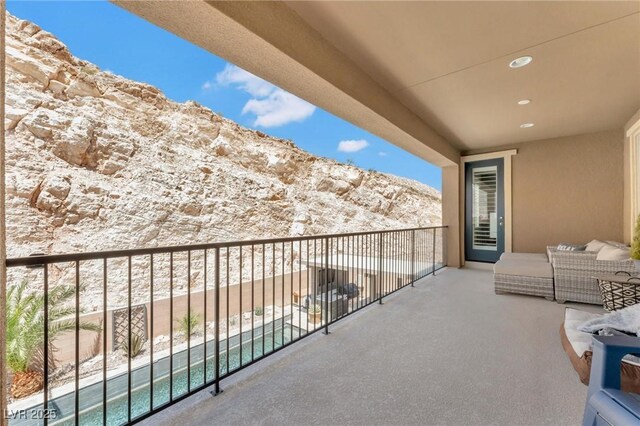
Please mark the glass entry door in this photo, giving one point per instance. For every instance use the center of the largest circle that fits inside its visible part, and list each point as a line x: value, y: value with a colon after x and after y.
x: 484, y: 215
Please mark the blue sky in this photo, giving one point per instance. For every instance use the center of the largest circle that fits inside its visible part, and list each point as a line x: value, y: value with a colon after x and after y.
x: 118, y: 41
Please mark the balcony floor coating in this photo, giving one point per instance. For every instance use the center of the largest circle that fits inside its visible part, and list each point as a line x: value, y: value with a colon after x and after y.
x: 447, y: 352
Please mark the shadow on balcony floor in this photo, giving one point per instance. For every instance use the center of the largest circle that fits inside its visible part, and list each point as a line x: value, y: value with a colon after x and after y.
x: 448, y: 351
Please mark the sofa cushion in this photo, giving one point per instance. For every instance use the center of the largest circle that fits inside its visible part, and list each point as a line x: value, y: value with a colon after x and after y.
x: 539, y: 257
x: 595, y: 245
x: 613, y: 253
x: 523, y: 268
x: 617, y: 244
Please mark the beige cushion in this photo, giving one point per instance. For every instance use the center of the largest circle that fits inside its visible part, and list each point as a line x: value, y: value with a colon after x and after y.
x: 617, y: 244
x: 613, y: 253
x: 573, y: 319
x: 523, y: 268
x: 539, y: 257
x: 595, y: 245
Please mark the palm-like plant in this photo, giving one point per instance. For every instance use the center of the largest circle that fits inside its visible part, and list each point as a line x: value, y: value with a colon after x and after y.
x: 187, y: 324
x: 25, y: 331
x: 635, y: 245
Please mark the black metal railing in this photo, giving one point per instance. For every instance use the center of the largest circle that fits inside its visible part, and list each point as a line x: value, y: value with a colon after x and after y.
x: 176, y: 320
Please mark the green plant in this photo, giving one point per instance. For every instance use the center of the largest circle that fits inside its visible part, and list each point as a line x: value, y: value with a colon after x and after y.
x: 25, y: 329
x: 314, y: 309
x: 258, y: 311
x: 188, y: 323
x: 136, y: 346
x: 635, y: 245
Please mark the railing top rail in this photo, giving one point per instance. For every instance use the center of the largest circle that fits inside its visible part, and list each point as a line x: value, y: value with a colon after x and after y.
x: 73, y: 257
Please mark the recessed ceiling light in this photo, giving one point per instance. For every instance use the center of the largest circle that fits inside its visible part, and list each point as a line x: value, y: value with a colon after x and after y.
x: 520, y: 62
x: 526, y: 125
x: 524, y: 102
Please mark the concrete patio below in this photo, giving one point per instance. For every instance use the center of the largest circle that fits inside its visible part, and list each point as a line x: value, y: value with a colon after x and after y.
x: 447, y: 352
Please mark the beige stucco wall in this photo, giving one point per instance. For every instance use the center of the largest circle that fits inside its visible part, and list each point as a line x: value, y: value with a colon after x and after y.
x: 452, y: 213
x: 567, y: 189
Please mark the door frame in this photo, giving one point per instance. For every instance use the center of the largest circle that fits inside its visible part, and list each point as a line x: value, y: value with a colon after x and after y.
x: 479, y: 255
x: 507, y: 177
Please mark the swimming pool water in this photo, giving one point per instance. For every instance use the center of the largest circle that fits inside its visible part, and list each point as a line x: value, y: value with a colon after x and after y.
x: 91, y: 407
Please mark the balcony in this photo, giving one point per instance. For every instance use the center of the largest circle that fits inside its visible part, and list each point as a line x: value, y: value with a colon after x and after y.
x: 448, y: 351
x: 403, y: 339
x: 131, y: 332
x: 375, y: 327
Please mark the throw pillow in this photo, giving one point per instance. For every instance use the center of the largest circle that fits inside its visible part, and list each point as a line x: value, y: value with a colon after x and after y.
x: 595, y: 245
x: 571, y: 247
x: 613, y: 253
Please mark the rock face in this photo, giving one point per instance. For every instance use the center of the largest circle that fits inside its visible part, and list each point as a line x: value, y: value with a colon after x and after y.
x: 98, y: 162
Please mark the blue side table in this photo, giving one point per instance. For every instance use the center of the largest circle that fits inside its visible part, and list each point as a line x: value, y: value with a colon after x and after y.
x: 606, y: 403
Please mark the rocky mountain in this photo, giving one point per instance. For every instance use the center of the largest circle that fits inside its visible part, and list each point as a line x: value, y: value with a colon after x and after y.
x: 98, y: 162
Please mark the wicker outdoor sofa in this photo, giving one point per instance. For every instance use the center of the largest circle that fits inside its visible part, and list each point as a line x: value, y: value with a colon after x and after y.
x: 558, y: 274
x: 574, y: 271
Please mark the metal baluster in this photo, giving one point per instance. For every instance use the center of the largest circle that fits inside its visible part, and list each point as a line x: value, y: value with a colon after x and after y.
x: 151, y: 333
x: 264, y: 249
x: 380, y: 285
x: 347, y: 273
x: 395, y: 266
x: 227, y: 312
x: 253, y: 307
x: 369, y: 266
x: 46, y: 343
x: 129, y: 339
x: 299, y: 289
x: 240, y: 318
x: 326, y: 268
x: 434, y: 251
x: 413, y: 257
x: 189, y: 321
x: 171, y: 326
x: 217, y: 323
x: 282, y: 300
x: 308, y: 279
x: 104, y: 343
x: 204, y: 323
x: 77, y: 346
x: 273, y: 297
x: 290, y: 297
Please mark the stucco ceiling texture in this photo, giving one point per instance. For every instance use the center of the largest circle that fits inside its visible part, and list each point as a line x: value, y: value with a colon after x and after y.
x: 448, y: 62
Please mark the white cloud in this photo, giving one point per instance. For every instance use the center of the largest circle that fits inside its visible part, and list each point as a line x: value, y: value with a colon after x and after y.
x: 278, y: 108
x: 382, y: 154
x: 352, y: 145
x: 272, y: 106
x: 207, y: 85
x: 255, y: 86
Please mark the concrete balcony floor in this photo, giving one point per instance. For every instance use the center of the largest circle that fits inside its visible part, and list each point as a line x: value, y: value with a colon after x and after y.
x: 447, y: 352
